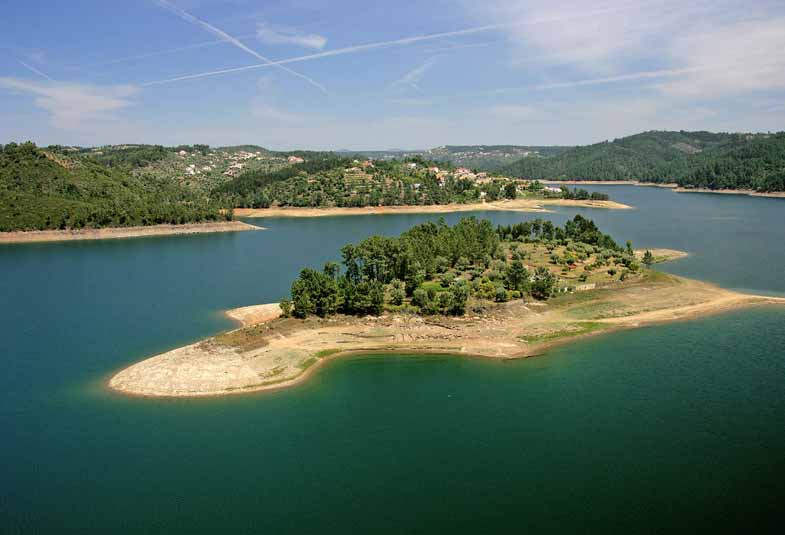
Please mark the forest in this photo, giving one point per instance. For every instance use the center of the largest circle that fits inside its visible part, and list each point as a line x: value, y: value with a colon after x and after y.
x: 42, y: 190
x: 434, y: 268
x: 690, y: 159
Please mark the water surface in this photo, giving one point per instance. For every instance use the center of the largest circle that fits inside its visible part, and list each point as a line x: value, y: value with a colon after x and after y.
x: 676, y: 427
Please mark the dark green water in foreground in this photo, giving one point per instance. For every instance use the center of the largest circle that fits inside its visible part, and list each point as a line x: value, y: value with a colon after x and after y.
x: 677, y: 428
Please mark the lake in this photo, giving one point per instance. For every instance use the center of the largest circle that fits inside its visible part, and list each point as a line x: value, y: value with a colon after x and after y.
x: 678, y: 427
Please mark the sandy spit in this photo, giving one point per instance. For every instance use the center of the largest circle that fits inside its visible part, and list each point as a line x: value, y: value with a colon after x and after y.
x: 520, y: 205
x: 35, y: 236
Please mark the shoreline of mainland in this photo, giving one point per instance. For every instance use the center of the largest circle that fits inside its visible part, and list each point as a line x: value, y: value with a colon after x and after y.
x: 269, y: 353
x: 668, y: 185
x: 108, y: 233
x: 517, y: 205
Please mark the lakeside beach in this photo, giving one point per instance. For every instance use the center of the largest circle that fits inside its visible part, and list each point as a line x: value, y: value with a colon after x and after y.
x: 518, y: 205
x: 37, y: 236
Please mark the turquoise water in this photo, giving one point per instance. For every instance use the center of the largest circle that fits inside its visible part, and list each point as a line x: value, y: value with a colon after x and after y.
x: 671, y: 428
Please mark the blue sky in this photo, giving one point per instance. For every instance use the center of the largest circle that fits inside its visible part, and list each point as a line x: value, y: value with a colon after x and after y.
x: 407, y: 74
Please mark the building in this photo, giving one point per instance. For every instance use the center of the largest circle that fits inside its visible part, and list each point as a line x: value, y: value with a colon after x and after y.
x: 295, y: 159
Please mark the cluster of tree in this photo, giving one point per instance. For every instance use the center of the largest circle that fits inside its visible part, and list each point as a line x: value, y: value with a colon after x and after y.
x: 251, y: 189
x: 488, y: 157
x: 578, y: 229
x: 341, y: 182
x: 757, y: 163
x: 583, y: 195
x: 42, y: 190
x: 693, y: 159
x: 434, y: 268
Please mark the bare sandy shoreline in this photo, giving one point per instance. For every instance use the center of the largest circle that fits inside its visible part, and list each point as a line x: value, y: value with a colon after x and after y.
x: 36, y: 236
x: 270, y: 353
x: 668, y: 185
x: 519, y: 205
x: 749, y: 192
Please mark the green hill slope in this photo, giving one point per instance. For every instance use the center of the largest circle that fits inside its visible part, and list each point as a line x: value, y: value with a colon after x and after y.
x: 50, y: 190
x: 692, y: 159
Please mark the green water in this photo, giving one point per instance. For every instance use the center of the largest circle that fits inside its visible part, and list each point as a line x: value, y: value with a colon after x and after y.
x: 679, y: 427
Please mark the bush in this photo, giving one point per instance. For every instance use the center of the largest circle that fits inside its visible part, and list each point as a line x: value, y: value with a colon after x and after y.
x: 397, y: 293
x: 286, y: 308
x: 500, y: 294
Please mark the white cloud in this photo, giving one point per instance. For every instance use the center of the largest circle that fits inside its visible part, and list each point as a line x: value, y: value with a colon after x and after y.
x: 70, y: 105
x: 280, y: 35
x: 611, y: 36
x: 730, y: 59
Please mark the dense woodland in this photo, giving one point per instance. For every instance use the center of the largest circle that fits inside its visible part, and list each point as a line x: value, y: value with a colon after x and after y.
x: 434, y: 268
x: 691, y: 159
x: 48, y: 190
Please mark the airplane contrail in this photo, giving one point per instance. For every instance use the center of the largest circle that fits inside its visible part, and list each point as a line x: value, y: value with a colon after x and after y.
x: 36, y: 71
x: 384, y: 44
x: 663, y: 73
x: 236, y: 42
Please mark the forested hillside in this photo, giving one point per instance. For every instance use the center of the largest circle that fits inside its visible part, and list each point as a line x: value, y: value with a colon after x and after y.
x: 691, y: 159
x: 344, y: 182
x: 50, y: 190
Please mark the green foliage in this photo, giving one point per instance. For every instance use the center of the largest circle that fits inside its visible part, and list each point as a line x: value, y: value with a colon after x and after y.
x: 51, y: 190
x: 397, y: 293
x: 648, y: 258
x: 542, y: 284
x: 314, y: 292
x: 517, y: 276
x: 692, y: 159
x: 286, y: 308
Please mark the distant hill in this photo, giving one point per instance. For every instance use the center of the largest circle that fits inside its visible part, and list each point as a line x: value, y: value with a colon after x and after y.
x: 47, y: 189
x: 489, y: 157
x: 692, y: 159
x: 335, y: 181
x: 478, y: 157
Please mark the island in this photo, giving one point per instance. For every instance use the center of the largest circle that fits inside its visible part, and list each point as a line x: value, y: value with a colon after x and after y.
x: 469, y: 289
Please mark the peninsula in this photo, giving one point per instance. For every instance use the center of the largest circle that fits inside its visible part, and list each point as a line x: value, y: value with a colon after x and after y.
x: 469, y: 289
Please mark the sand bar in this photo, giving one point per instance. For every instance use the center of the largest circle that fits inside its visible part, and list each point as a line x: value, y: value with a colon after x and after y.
x: 35, y: 236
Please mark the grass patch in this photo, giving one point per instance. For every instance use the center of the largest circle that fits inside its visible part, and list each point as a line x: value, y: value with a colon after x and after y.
x: 573, y: 329
x: 327, y: 352
x: 435, y: 285
x: 304, y: 365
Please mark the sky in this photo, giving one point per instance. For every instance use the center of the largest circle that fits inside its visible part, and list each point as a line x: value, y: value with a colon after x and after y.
x: 409, y: 74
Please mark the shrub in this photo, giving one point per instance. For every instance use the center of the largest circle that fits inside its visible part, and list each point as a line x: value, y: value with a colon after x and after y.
x: 286, y: 308
x: 500, y: 294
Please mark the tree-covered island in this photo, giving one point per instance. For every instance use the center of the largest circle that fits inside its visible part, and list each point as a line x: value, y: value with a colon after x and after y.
x: 435, y: 268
